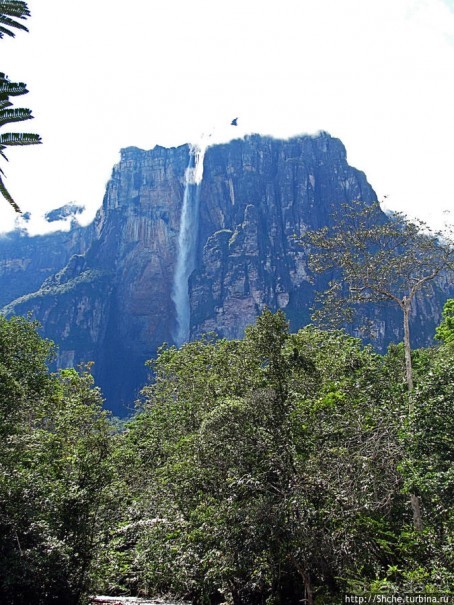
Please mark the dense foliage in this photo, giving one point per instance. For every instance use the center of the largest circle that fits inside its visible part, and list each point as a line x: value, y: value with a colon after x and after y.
x: 268, y: 470
x: 445, y: 331
x: 54, y: 472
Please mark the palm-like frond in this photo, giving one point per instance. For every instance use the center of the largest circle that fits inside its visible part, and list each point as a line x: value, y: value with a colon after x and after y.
x: 7, y: 116
x: 6, y: 21
x: 10, y: 11
x: 15, y: 8
x: 4, y: 191
x: 10, y: 139
x: 11, y: 89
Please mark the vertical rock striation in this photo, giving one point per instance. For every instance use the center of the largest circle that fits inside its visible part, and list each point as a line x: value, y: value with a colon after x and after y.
x: 256, y: 196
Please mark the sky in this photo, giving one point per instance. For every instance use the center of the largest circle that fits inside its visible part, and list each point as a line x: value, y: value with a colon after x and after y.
x: 104, y: 75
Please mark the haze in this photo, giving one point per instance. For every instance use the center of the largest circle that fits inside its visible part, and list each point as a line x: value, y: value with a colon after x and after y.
x: 104, y: 75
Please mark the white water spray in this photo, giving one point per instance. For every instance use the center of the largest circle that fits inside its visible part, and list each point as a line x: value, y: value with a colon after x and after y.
x: 187, y: 242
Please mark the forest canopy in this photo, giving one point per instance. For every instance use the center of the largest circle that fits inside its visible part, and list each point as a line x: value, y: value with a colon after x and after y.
x: 264, y: 470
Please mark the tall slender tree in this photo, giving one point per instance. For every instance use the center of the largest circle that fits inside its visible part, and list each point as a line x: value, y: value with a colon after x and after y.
x: 10, y: 12
x: 374, y: 258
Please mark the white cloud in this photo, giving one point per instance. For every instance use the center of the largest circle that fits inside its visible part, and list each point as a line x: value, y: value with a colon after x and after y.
x: 376, y: 74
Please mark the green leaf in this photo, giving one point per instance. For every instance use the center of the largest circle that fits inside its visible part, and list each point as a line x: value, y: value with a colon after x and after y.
x: 14, y: 115
x: 7, y: 196
x: 19, y: 138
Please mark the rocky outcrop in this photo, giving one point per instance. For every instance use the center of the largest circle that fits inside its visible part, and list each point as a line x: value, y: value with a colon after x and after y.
x: 25, y: 261
x: 104, y: 293
x: 257, y: 195
x: 113, y: 305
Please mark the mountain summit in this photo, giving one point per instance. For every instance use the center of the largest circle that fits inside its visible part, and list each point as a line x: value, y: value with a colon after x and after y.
x: 229, y: 216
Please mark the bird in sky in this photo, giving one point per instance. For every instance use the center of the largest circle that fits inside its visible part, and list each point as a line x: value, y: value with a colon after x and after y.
x: 234, y: 122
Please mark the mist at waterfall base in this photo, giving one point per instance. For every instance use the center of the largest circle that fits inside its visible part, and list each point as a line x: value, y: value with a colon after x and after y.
x: 187, y: 243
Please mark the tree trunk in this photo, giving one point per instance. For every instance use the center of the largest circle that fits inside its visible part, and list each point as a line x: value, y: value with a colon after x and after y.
x: 308, y: 589
x: 407, y: 348
x: 414, y: 499
x: 417, y: 516
x: 304, y: 573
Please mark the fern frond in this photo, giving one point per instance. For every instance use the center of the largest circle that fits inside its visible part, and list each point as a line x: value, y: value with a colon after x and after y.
x: 8, y: 23
x: 17, y: 10
x: 10, y: 139
x: 4, y: 31
x: 4, y: 191
x: 11, y: 89
x: 14, y: 115
x: 11, y: 12
x: 14, y: 8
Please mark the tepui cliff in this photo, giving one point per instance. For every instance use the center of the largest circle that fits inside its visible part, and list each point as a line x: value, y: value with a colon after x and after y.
x: 174, y: 253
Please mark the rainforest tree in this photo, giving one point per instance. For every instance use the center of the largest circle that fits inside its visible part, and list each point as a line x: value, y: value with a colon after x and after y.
x: 265, y: 470
x: 54, y: 472
x: 373, y: 259
x: 259, y: 470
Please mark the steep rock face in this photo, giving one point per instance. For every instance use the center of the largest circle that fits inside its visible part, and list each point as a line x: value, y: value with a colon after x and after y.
x: 113, y: 304
x: 137, y: 232
x: 105, y: 293
x: 257, y: 195
x: 25, y: 261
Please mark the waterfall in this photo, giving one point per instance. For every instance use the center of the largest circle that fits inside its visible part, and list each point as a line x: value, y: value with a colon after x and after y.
x: 187, y: 243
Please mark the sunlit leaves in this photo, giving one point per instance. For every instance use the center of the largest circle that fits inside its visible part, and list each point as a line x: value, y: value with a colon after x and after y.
x: 445, y: 331
x: 55, y: 472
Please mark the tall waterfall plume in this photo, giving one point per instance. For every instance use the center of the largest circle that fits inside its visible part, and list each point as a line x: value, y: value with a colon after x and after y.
x: 187, y: 242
